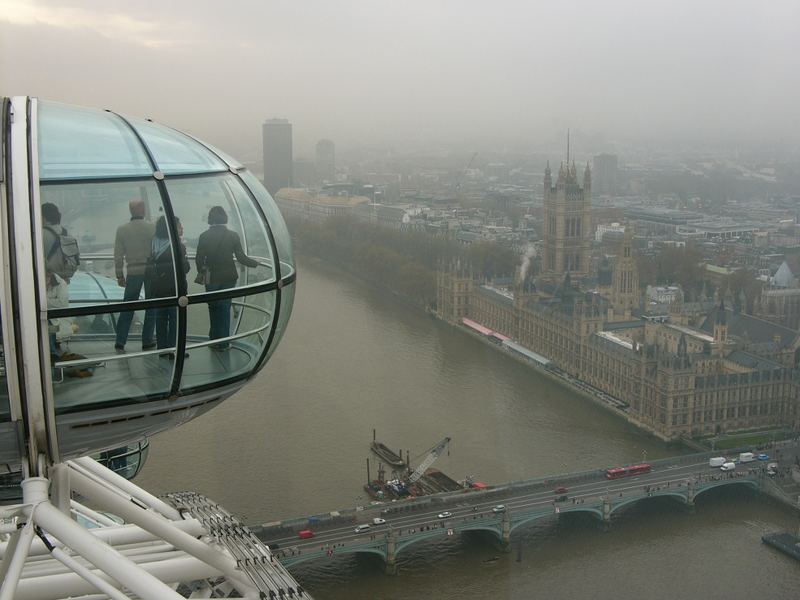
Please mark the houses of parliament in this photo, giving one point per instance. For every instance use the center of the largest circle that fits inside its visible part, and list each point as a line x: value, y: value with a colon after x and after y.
x: 703, y: 368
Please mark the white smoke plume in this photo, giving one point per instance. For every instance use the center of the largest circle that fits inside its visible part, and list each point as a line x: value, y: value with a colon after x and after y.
x: 527, y: 255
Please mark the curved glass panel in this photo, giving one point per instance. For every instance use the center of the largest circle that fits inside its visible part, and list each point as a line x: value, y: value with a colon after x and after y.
x: 287, y: 302
x: 224, y: 156
x: 113, y: 225
x: 99, y: 198
x: 283, y: 240
x: 235, y: 253
x: 126, y: 461
x: 89, y: 372
x: 174, y: 152
x: 225, y: 338
x: 80, y: 143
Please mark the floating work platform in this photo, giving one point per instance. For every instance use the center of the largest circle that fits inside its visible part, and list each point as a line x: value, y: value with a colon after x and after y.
x: 786, y: 542
x: 387, y: 455
x: 432, y: 482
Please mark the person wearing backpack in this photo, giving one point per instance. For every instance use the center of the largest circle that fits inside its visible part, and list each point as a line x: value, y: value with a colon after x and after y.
x: 61, y: 254
x: 160, y: 282
x: 57, y: 263
x: 131, y: 250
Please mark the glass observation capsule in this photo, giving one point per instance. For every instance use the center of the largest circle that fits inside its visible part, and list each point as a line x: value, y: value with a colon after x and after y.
x: 146, y: 276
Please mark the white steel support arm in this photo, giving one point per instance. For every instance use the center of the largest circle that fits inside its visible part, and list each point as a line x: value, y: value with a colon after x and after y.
x: 126, y: 486
x: 120, y: 535
x: 158, y: 526
x: 90, y: 577
x: 71, y: 585
x: 104, y: 557
x: 16, y: 562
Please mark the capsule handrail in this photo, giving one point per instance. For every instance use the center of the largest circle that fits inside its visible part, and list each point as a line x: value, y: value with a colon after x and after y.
x: 114, y: 357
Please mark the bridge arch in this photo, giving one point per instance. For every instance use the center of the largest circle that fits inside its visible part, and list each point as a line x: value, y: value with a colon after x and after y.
x: 497, y: 530
x: 402, y: 543
x: 710, y: 485
x: 338, y: 552
x: 681, y: 496
x: 517, y: 522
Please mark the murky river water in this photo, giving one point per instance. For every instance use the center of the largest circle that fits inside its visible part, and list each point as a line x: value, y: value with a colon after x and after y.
x: 295, y: 441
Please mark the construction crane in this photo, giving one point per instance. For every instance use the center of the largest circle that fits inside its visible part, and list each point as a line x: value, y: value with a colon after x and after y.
x: 433, y: 454
x: 463, y: 174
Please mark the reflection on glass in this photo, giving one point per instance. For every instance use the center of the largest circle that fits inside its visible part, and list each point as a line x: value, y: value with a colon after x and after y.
x: 125, y: 461
x: 276, y: 222
x: 212, y: 358
x: 235, y: 248
x: 113, y: 225
x: 287, y: 301
x: 174, y: 152
x: 79, y: 143
x: 89, y: 376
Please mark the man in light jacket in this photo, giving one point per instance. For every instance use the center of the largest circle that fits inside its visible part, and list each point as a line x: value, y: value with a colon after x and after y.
x: 132, y: 247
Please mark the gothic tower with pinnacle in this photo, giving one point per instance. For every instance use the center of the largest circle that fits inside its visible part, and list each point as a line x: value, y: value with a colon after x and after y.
x: 567, y: 223
x: 625, y: 285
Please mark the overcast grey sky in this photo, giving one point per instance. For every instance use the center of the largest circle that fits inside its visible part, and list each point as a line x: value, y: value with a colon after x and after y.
x: 371, y: 71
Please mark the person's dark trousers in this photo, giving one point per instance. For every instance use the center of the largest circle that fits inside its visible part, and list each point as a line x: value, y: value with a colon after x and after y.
x: 166, y: 326
x: 219, y: 315
x: 133, y: 290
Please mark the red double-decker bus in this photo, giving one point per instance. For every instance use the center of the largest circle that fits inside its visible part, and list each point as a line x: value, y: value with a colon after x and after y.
x: 628, y: 471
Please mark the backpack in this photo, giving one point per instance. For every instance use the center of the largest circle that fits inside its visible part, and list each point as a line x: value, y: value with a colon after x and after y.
x: 64, y: 255
x: 159, y: 275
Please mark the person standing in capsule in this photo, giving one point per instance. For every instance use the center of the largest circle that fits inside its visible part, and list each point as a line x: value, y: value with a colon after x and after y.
x: 216, y: 250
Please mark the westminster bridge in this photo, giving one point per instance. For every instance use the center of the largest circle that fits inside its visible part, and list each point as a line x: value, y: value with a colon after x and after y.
x: 503, y: 509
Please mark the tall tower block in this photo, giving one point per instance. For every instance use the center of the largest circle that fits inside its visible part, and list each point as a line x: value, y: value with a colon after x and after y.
x: 567, y: 219
x: 277, y: 143
x: 326, y: 161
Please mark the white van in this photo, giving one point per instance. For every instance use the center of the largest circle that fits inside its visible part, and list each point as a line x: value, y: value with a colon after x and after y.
x: 361, y: 528
x: 728, y: 466
x: 717, y: 461
x: 746, y: 457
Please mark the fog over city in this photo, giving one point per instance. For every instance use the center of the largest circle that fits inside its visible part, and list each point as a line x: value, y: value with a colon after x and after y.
x: 504, y: 74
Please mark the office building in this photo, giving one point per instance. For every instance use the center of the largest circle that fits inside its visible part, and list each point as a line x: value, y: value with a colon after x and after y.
x: 277, y: 139
x: 326, y: 161
x: 605, y: 174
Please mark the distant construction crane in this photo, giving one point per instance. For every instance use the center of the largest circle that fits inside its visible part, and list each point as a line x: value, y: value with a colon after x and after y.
x: 433, y: 454
x: 463, y: 174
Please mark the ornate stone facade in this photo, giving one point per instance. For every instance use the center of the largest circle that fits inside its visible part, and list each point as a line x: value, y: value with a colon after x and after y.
x: 567, y: 223
x: 625, y: 293
x: 734, y: 372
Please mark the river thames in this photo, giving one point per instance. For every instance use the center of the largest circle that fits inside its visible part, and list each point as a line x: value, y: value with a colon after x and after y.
x: 294, y: 443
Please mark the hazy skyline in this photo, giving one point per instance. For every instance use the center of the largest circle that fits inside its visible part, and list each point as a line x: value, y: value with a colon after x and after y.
x: 365, y: 72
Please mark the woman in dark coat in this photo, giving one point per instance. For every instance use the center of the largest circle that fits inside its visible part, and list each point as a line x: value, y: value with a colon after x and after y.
x: 161, y: 281
x: 215, y: 251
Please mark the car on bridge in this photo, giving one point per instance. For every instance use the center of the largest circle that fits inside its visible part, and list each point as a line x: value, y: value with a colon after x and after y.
x: 500, y: 508
x: 378, y: 521
x: 445, y: 515
x: 763, y: 456
x: 560, y: 490
x: 361, y: 528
